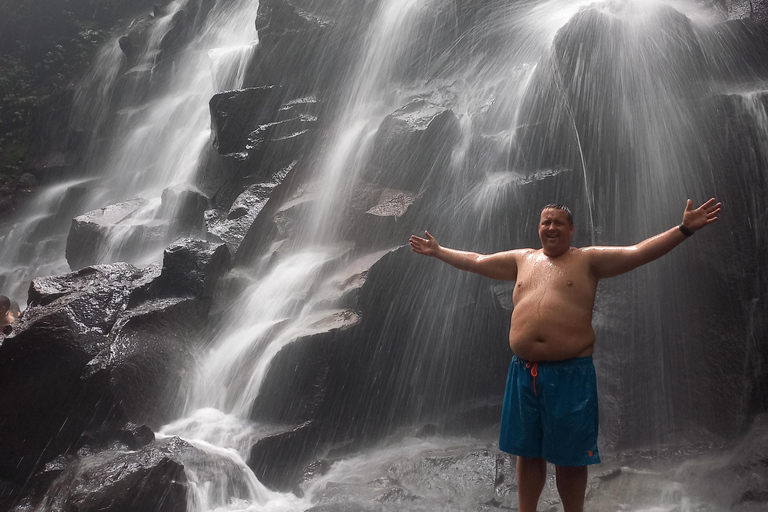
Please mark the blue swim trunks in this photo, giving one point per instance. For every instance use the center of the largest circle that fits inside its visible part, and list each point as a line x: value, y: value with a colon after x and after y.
x: 550, y: 411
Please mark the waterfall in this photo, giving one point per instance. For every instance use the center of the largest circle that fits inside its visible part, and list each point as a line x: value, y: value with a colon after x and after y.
x: 146, y: 131
x: 286, y: 301
x: 611, y: 107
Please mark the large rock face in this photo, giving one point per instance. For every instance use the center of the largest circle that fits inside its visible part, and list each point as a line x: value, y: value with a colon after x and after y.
x: 65, y: 327
x: 109, y: 342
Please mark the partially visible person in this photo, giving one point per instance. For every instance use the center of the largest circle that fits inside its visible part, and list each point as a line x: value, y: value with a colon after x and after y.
x: 9, y: 312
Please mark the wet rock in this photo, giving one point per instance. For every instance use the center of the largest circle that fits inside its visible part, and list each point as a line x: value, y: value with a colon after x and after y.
x: 428, y: 430
x: 42, y: 363
x: 191, y: 268
x: 382, y: 224
x: 88, y: 300
x: 610, y: 474
x: 411, y: 144
x: 304, y: 374
x: 134, y: 86
x: 134, y: 41
x: 9, y: 495
x: 235, y: 114
x: 260, y: 133
x: 275, y: 225
x: 342, y: 289
x: 53, y: 166
x: 468, y: 477
x: 740, y: 163
x: 289, y: 40
x: 738, y: 50
x: 753, y: 10
x: 73, y: 198
x: 149, y: 356
x: 277, y: 460
x: 293, y: 212
x: 172, y: 38
x: 149, y: 479
x: 80, y: 356
x: 231, y: 227
x: 115, y: 435
x: 478, y: 361
x: 92, y: 231
x: 186, y: 205
x: 278, y: 16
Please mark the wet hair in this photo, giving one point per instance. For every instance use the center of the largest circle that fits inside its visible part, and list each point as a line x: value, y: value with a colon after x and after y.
x: 558, y: 206
x: 5, y: 303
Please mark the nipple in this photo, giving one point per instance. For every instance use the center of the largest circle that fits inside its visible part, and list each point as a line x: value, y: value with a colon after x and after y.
x: 570, y: 283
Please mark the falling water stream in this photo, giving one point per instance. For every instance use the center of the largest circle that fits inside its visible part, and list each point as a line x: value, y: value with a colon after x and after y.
x: 155, y: 142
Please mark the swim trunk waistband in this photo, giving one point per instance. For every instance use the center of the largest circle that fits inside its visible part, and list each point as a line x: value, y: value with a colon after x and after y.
x: 574, y: 361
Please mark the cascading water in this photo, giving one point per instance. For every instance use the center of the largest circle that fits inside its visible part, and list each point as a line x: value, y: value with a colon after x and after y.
x: 145, y: 133
x: 598, y: 105
x: 288, y: 301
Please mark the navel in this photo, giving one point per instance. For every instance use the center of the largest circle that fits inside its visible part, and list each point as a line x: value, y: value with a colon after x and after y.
x: 570, y: 283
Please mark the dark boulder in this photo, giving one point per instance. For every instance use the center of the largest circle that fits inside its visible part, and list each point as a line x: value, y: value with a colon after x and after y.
x: 412, y: 144
x: 134, y: 41
x: 46, y: 404
x: 277, y: 460
x: 185, y: 204
x: 91, y: 233
x: 235, y: 114
x: 230, y: 227
x: 303, y: 374
x: 148, y: 358
x: 258, y: 132
x: 277, y: 219
x: 114, y: 435
x: 109, y: 342
x: 148, y: 479
x: 191, y: 268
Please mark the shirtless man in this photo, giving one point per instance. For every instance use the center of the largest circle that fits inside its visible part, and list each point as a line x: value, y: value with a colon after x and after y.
x: 550, y: 402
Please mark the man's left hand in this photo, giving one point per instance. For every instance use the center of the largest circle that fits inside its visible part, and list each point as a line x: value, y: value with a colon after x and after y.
x: 702, y: 216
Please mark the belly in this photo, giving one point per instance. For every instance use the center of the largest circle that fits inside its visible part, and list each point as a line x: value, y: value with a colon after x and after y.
x: 551, y: 333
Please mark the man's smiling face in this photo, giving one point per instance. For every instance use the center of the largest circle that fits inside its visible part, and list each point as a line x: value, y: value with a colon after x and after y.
x: 555, y: 232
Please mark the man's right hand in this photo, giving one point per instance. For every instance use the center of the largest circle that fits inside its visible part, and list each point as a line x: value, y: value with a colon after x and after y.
x: 426, y: 246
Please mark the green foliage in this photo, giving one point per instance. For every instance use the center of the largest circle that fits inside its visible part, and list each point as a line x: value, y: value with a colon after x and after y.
x: 17, y: 101
x: 44, y: 46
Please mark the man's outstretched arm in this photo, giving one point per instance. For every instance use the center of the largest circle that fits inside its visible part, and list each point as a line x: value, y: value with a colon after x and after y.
x: 612, y: 261
x: 501, y: 265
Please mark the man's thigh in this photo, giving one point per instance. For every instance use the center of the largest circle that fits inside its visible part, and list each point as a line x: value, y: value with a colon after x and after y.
x: 568, y: 390
x: 521, y: 428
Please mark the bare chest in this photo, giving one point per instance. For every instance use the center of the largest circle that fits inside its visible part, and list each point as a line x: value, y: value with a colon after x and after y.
x: 567, y: 278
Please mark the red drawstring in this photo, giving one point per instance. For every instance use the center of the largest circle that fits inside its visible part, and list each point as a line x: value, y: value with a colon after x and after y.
x: 534, y: 373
